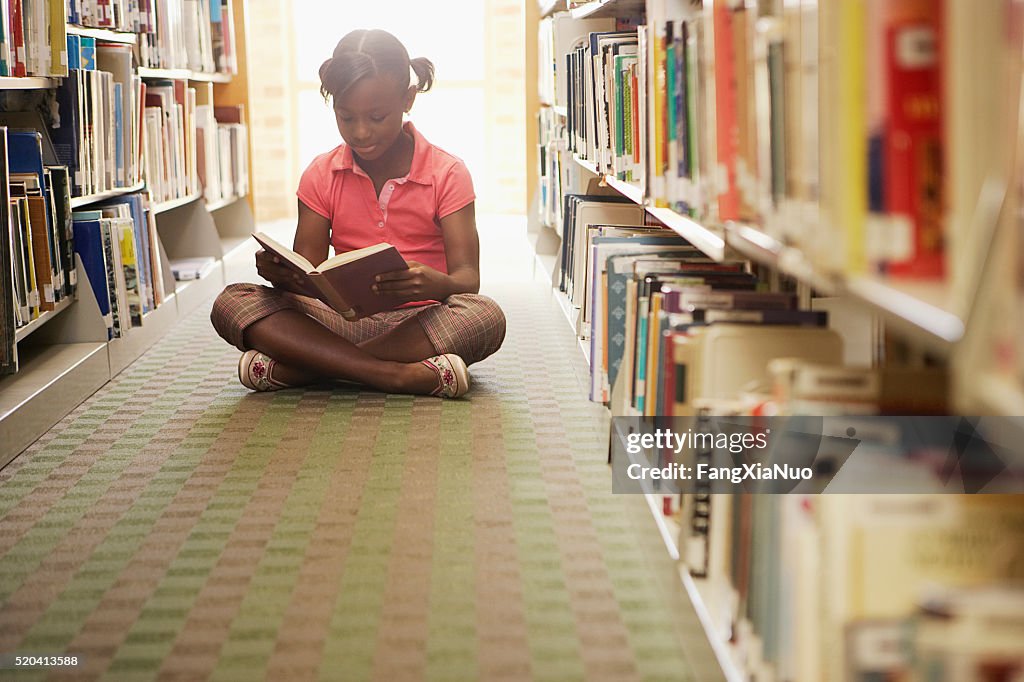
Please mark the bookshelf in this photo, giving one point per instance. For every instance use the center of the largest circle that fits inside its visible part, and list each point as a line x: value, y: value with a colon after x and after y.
x: 77, y: 202
x: 27, y: 83
x: 609, y: 8
x: 935, y: 294
x: 66, y: 354
x: 102, y: 34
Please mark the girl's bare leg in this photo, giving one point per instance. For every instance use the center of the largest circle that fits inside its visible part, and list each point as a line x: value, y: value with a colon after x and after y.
x: 305, y: 351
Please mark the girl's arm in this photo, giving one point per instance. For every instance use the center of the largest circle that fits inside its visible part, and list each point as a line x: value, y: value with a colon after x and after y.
x: 312, y: 240
x: 462, y: 253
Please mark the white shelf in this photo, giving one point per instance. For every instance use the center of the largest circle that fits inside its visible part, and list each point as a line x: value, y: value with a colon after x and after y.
x: 230, y: 244
x: 220, y: 203
x: 50, y: 382
x: 210, y: 77
x: 549, y: 7
x: 193, y: 293
x: 626, y: 189
x: 756, y: 245
x: 137, y: 340
x: 109, y: 194
x: 184, y: 74
x: 43, y: 318
x: 586, y: 165
x: 106, y: 34
x: 711, y: 242
x: 561, y: 110
x: 922, y: 309
x: 610, y: 8
x: 147, y: 72
x: 27, y: 83
x: 172, y: 204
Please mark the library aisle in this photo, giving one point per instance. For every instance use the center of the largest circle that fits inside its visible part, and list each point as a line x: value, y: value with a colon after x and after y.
x: 177, y: 525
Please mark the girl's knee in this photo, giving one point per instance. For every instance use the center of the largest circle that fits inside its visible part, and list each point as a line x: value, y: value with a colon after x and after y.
x: 232, y: 308
x: 486, y: 319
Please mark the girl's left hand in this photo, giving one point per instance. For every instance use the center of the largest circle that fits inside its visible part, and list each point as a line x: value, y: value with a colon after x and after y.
x: 419, y: 283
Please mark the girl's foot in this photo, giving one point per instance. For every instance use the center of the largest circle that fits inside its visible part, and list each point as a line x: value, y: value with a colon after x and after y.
x: 452, y: 376
x: 260, y: 372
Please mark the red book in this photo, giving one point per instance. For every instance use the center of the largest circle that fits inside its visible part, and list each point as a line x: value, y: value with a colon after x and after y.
x: 913, y: 139
x: 18, y: 64
x: 727, y: 131
x: 345, y: 281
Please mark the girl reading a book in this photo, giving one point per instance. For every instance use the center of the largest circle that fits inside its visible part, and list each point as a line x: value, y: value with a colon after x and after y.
x: 386, y: 183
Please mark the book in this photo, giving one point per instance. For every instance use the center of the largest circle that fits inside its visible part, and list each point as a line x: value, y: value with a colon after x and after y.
x: 346, y: 280
x: 188, y: 269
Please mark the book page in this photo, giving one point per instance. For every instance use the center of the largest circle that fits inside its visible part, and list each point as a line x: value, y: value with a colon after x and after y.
x: 350, y: 256
x: 284, y: 252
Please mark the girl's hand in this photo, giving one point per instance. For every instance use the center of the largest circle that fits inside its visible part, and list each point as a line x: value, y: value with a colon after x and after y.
x: 419, y: 283
x: 282, y: 276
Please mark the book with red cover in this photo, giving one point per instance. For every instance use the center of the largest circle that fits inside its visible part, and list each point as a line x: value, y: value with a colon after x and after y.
x: 17, y: 28
x: 913, y: 141
x: 346, y: 280
x: 727, y: 137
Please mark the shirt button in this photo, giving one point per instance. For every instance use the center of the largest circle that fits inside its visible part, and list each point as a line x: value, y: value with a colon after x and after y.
x: 380, y: 224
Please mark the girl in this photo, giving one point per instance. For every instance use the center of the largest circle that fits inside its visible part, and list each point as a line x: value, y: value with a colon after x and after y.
x: 385, y: 183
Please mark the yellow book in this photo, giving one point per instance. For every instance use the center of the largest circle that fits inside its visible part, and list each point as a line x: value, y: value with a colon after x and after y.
x: 852, y: 190
x: 660, y: 110
x: 653, y: 354
x: 58, y: 38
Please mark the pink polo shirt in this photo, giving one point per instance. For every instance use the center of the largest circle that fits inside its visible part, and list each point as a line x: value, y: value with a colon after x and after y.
x: 408, y: 212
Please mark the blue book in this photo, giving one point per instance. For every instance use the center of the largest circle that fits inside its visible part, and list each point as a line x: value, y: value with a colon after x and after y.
x: 25, y: 153
x: 74, y: 52
x: 88, y: 54
x: 119, y: 179
x: 89, y: 247
x: 143, y: 265
x: 66, y: 137
x: 620, y: 271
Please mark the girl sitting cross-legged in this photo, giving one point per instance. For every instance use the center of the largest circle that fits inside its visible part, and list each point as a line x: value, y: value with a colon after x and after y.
x: 386, y: 183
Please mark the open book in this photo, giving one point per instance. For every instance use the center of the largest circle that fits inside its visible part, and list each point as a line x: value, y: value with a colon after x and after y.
x: 346, y: 280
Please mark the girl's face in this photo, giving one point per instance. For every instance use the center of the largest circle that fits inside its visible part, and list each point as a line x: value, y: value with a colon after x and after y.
x: 369, y: 115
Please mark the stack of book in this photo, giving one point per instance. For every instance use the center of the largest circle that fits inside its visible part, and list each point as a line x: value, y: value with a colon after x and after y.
x: 32, y: 38
x: 233, y: 150
x: 38, y: 246
x: 853, y: 587
x: 606, y: 112
x: 117, y: 245
x: 98, y: 129
x: 170, y: 139
x: 173, y: 34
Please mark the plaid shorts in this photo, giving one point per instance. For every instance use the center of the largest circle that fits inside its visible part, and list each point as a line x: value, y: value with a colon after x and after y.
x: 469, y: 325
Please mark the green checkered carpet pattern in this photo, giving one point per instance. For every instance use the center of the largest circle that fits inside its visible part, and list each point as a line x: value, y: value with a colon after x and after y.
x: 177, y: 526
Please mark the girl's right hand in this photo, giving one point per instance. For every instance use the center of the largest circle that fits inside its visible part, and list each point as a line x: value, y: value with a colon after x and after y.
x: 272, y: 269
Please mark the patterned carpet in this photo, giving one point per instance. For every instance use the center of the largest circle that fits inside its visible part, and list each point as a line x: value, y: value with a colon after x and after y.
x: 176, y: 526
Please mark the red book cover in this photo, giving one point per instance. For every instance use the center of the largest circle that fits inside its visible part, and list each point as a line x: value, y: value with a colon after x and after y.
x: 913, y: 139
x: 727, y: 131
x: 346, y: 280
x: 18, y: 67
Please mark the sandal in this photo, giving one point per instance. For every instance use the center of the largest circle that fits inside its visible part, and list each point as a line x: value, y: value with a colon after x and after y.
x: 452, y: 374
x: 254, y: 371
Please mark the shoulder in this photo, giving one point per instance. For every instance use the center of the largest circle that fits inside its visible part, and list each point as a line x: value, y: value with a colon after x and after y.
x: 444, y: 164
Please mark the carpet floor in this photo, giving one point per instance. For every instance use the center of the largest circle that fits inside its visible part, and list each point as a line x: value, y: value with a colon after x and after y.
x: 177, y: 526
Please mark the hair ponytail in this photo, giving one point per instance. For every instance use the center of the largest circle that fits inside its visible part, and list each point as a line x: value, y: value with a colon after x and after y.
x: 424, y: 70
x: 364, y: 53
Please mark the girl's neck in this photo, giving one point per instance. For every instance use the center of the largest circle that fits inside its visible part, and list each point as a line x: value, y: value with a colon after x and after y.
x: 395, y: 162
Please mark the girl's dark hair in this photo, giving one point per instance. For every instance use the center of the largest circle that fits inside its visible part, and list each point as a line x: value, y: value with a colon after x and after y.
x: 364, y: 53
